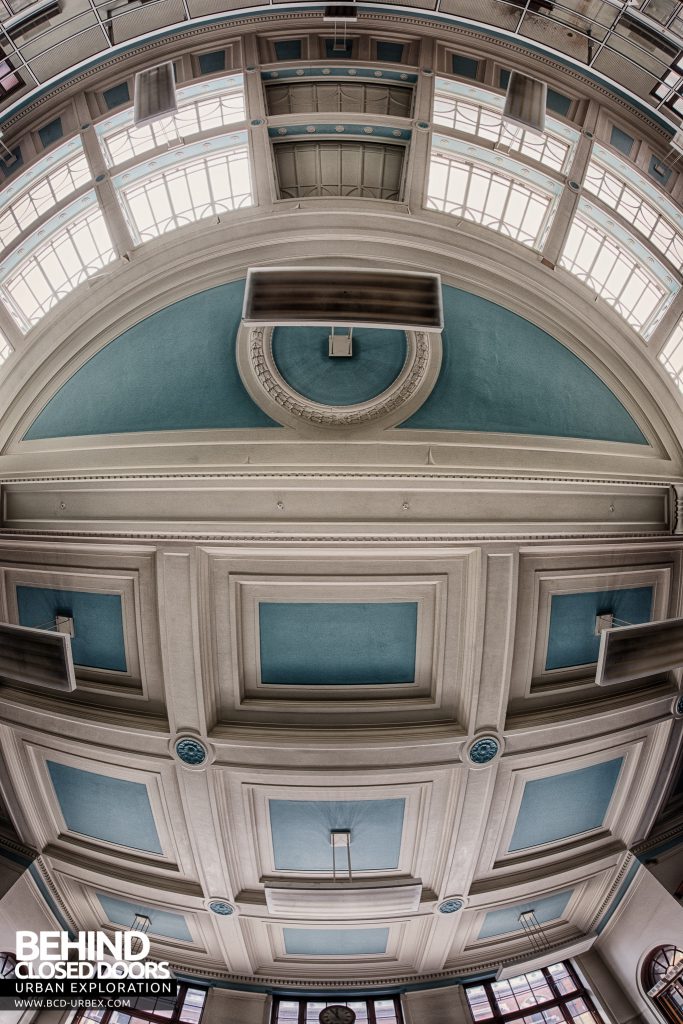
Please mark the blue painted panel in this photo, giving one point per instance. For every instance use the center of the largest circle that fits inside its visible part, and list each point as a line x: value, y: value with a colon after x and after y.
x: 558, y: 103
x: 465, y: 67
x: 571, y: 637
x: 116, y: 96
x: 113, y: 810
x: 621, y: 140
x: 168, y: 925
x: 338, y: 49
x: 392, y: 52
x: 288, y: 49
x: 98, y: 623
x: 500, y: 373
x: 301, y: 833
x: 329, y: 643
x: 211, y: 63
x: 335, y: 942
x: 506, y: 921
x: 51, y: 132
x: 301, y: 356
x: 176, y: 370
x: 565, y: 805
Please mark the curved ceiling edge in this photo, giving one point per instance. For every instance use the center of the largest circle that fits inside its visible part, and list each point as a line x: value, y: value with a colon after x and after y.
x: 168, y: 271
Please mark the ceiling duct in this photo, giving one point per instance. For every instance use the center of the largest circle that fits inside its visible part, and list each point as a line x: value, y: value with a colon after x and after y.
x: 36, y: 658
x: 635, y: 652
x: 525, y: 102
x: 365, y: 898
x: 155, y: 95
x: 340, y: 12
x: 31, y: 16
x: 335, y: 296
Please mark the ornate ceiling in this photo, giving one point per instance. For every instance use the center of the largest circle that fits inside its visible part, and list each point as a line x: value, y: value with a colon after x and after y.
x: 358, y: 594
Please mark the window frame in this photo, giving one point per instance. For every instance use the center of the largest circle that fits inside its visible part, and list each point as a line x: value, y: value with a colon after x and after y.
x: 303, y: 1003
x: 558, y: 1001
x: 146, y: 1015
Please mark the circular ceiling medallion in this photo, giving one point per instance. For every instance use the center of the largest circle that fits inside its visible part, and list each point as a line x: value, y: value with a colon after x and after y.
x: 395, y: 403
x: 191, y: 751
x: 483, y: 750
x: 451, y: 905
x: 221, y: 907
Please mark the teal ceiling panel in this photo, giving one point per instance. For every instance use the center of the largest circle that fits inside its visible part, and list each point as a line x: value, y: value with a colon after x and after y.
x: 301, y: 356
x: 571, y: 637
x: 506, y: 920
x: 502, y: 374
x: 337, y: 644
x: 175, y: 370
x: 98, y: 640
x: 560, y: 806
x: 335, y: 941
x: 301, y: 833
x: 113, y: 810
x: 162, y: 922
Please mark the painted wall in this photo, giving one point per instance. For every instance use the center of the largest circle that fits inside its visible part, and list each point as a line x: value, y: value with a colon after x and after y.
x: 223, y: 1006
x: 647, y: 917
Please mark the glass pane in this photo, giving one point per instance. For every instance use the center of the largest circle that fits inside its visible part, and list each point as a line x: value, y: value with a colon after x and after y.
x: 562, y: 978
x: 479, y: 1002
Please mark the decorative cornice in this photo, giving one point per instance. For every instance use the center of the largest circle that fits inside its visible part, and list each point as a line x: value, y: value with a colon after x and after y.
x: 279, y: 400
x: 276, y: 537
x: 618, y: 879
x: 455, y: 975
x: 330, y: 474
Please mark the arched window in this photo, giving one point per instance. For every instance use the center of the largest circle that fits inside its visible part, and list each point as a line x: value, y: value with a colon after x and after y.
x: 7, y: 964
x: 663, y: 981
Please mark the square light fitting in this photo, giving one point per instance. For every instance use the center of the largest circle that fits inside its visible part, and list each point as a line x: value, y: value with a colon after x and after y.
x: 65, y: 624
x: 340, y: 837
x: 340, y: 345
x: 603, y: 622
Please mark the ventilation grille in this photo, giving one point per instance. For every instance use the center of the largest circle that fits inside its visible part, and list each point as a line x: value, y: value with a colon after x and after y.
x: 525, y: 102
x: 332, y: 296
x: 31, y: 16
x: 36, y: 658
x: 155, y: 95
x: 636, y: 652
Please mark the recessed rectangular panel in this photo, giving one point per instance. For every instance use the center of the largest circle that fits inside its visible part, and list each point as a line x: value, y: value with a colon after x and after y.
x: 506, y: 920
x: 162, y: 922
x: 36, y: 657
x: 337, y: 644
x: 103, y: 807
x: 636, y: 652
x: 565, y: 805
x: 572, y: 639
x: 332, y: 296
x: 98, y: 640
x: 335, y: 942
x: 301, y: 834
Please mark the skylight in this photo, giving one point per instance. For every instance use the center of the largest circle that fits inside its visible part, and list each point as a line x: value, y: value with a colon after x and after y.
x: 473, y: 119
x: 40, y: 196
x: 55, y: 267
x: 512, y: 207
x: 671, y: 356
x: 181, y: 195
x: 640, y: 213
x: 195, y: 116
x: 606, y: 266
